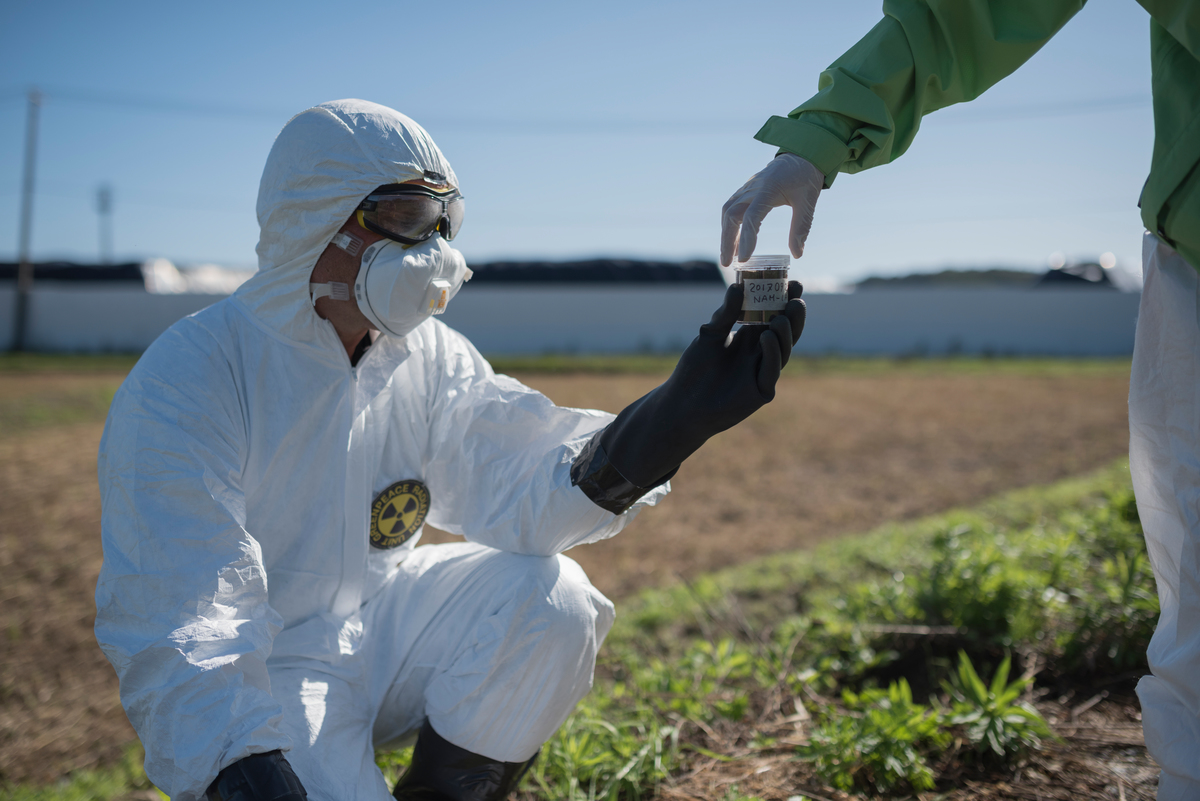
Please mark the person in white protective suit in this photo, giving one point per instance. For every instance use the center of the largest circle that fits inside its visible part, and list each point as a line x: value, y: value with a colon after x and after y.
x: 269, y: 463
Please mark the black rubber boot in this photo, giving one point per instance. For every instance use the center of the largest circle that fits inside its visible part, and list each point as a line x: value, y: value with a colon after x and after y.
x: 258, y: 777
x: 441, y: 771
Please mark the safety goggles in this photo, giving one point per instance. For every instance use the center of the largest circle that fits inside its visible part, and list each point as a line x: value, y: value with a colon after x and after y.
x: 411, y: 214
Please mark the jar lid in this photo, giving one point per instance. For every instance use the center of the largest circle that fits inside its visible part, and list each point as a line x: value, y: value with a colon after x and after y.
x: 764, y: 263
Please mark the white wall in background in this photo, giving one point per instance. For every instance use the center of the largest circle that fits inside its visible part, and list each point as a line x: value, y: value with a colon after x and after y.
x: 1060, y: 322
x: 588, y: 319
x: 540, y: 319
x: 1054, y: 322
x: 95, y: 318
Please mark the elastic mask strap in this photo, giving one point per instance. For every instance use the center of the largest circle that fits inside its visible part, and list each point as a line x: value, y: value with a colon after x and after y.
x: 348, y: 242
x: 335, y: 290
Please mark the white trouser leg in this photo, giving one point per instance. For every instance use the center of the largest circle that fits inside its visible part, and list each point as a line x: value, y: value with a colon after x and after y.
x: 1164, y: 459
x: 497, y: 662
x: 494, y: 648
x: 327, y: 715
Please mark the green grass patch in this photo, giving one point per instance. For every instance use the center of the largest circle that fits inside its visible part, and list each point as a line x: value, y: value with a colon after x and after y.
x: 43, y: 389
x: 562, y: 363
x: 56, y: 407
x: 808, y: 579
x: 653, y: 363
x: 663, y: 364
x: 67, y: 362
x: 958, y: 365
x: 116, y: 781
x: 901, y: 644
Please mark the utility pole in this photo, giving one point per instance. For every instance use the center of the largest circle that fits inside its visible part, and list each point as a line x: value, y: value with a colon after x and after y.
x: 104, y: 202
x: 25, y: 266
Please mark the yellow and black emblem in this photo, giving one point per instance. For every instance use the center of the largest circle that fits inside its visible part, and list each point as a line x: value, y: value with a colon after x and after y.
x: 398, y: 512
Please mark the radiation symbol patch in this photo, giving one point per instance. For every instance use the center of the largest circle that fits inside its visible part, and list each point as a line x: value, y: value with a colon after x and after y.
x: 398, y: 512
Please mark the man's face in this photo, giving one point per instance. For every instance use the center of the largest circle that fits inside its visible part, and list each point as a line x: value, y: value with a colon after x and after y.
x: 336, y: 264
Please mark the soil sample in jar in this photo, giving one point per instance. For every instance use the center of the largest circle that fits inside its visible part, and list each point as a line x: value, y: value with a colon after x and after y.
x: 764, y: 280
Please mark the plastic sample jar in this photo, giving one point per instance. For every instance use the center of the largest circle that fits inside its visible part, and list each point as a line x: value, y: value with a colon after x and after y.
x: 764, y: 279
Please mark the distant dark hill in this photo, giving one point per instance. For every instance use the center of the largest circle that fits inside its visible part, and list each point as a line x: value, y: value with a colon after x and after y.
x: 597, y: 271
x: 998, y: 277
x: 75, y: 271
x: 1087, y: 274
x: 588, y: 271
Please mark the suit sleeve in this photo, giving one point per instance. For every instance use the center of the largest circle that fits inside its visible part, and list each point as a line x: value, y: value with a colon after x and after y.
x: 181, y: 603
x: 500, y: 457
x: 922, y: 56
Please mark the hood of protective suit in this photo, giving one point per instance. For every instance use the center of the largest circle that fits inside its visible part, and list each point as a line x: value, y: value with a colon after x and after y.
x: 323, y: 163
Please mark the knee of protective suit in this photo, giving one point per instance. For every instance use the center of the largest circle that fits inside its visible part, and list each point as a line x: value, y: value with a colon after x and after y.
x: 557, y: 602
x: 578, y: 601
x: 525, y: 667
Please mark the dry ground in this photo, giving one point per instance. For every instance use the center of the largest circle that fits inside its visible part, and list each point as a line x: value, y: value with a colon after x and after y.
x: 837, y: 452
x: 843, y: 453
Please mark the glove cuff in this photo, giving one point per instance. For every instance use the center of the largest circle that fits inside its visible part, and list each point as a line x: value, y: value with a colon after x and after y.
x: 603, y: 482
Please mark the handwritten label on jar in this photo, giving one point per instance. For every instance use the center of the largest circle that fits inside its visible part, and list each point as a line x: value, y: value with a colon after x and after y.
x: 765, y: 294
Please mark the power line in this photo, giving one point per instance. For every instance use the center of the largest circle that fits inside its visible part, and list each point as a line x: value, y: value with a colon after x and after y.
x: 560, y: 125
x: 970, y: 114
x: 157, y: 104
x: 149, y: 200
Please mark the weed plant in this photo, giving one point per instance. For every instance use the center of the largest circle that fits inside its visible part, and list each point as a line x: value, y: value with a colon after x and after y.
x: 996, y: 722
x: 879, y: 739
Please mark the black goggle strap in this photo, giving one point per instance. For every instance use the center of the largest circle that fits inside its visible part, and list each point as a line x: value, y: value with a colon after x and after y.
x: 372, y: 201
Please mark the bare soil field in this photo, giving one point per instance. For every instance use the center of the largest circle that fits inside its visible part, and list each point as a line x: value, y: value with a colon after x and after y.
x: 838, y: 452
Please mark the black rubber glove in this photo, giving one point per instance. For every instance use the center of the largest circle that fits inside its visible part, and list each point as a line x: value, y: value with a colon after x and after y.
x: 717, y: 383
x: 258, y: 777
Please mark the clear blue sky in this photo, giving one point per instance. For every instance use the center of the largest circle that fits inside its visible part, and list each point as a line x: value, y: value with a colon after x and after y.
x: 614, y: 128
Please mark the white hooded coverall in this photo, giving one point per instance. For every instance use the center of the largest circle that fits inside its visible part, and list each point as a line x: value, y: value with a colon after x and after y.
x: 241, y: 602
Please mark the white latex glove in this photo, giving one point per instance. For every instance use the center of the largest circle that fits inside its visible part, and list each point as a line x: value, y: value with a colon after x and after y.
x: 787, y: 180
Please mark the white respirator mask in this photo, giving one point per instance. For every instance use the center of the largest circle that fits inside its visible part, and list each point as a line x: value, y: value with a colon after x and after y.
x: 399, y: 288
